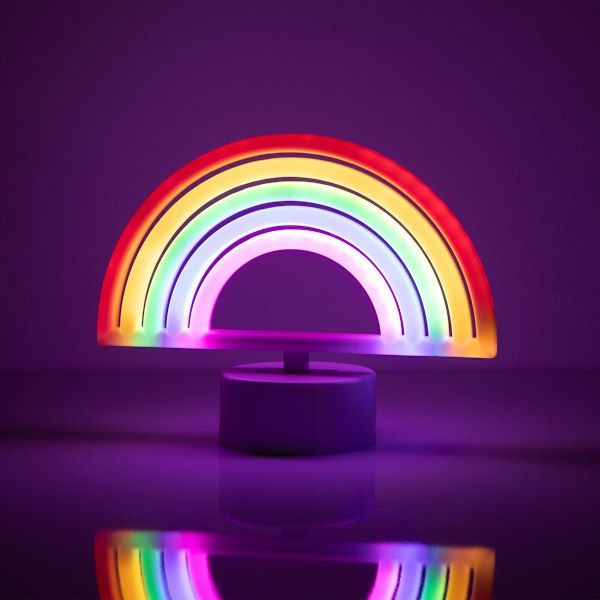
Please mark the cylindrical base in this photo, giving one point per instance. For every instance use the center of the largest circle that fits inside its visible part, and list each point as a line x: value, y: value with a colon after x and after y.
x: 326, y: 410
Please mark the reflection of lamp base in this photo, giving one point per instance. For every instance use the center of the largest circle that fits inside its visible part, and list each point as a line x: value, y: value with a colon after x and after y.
x: 298, y: 493
x: 292, y: 408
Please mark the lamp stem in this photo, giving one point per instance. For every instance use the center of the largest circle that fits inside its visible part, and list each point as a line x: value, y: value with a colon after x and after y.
x: 295, y: 362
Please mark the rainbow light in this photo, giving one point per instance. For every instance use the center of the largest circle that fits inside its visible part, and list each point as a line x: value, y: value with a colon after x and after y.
x: 138, y: 565
x: 303, y: 192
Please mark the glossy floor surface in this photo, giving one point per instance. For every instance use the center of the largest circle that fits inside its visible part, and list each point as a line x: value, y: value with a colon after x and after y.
x: 508, y: 462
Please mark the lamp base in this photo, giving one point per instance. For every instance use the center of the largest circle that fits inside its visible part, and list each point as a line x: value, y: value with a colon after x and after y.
x: 297, y: 409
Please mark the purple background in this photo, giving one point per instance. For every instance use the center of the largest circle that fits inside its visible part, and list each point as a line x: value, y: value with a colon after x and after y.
x: 494, y: 105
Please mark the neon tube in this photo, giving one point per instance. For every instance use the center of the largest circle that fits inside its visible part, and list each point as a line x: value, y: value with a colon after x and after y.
x: 435, y: 582
x: 289, y: 239
x: 397, y: 279
x: 458, y: 584
x: 129, y: 570
x: 394, y: 204
x: 152, y: 573
x: 178, y: 576
x: 201, y: 577
x: 275, y: 194
x: 174, y: 565
x: 383, y: 196
x: 410, y: 580
x: 386, y: 580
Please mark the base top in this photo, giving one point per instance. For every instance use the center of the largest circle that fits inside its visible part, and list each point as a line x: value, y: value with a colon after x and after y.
x: 317, y: 373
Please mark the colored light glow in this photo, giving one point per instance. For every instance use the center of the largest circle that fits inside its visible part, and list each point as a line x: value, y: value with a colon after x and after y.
x: 410, y: 581
x: 458, y: 583
x: 435, y: 583
x: 373, y: 198
x: 200, y: 574
x: 289, y: 239
x: 273, y: 195
x: 152, y: 572
x: 162, y: 565
x: 386, y: 580
x: 130, y: 582
x: 178, y: 577
x: 223, y: 182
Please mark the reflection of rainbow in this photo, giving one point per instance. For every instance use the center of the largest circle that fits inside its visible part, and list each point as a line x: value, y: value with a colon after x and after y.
x: 299, y: 192
x: 138, y: 565
x: 160, y: 565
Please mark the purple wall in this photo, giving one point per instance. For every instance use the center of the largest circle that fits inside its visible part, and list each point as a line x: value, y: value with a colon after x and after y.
x: 494, y: 106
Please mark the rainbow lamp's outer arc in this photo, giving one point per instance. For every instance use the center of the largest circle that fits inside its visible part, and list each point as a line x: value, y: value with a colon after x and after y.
x: 444, y: 250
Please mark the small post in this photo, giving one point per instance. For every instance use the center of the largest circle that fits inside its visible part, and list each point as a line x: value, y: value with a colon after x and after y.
x: 295, y: 362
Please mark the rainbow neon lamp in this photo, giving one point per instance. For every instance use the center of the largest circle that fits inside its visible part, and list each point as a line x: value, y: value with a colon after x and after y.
x: 320, y: 195
x: 160, y: 565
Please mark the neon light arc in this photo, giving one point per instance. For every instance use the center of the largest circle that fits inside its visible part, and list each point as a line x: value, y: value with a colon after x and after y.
x: 279, y: 204
x: 413, y: 241
x: 176, y: 565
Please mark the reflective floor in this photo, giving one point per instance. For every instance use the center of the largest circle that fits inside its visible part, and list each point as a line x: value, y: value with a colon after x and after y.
x: 480, y: 483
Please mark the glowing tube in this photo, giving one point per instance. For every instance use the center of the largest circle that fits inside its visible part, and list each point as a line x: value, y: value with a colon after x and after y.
x: 174, y: 565
x: 130, y: 573
x: 152, y: 573
x: 383, y: 196
x: 106, y: 570
x: 178, y: 577
x: 392, y: 202
x: 386, y: 580
x: 201, y: 577
x: 458, y: 584
x: 397, y: 279
x: 291, y: 239
x: 410, y: 581
x: 355, y: 215
x: 435, y: 582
